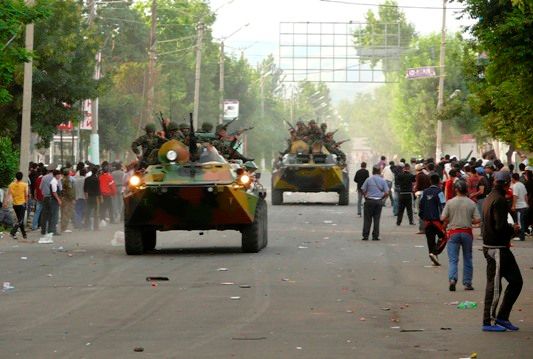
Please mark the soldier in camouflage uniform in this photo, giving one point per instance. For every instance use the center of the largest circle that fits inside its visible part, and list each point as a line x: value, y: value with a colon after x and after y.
x: 224, y: 143
x: 324, y: 128
x: 206, y: 127
x: 148, y: 142
x: 301, y: 131
x: 174, y: 132
x: 333, y: 147
x: 314, y: 132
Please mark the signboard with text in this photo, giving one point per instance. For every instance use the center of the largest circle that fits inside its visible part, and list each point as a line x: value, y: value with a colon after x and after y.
x: 87, y: 112
x: 421, y: 72
x: 231, y: 109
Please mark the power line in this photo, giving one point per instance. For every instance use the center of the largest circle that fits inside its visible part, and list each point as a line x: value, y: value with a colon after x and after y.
x: 391, y: 5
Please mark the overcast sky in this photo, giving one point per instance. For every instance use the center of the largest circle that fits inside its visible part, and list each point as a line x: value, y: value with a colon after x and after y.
x: 261, y: 37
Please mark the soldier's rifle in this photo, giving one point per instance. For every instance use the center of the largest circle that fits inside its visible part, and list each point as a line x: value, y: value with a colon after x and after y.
x: 226, y: 125
x: 337, y: 144
x: 290, y: 125
x: 241, y: 131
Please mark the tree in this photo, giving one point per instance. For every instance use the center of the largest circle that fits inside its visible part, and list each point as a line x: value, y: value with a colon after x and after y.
x: 387, y: 30
x: 14, y: 14
x: 503, y: 94
x: 9, y: 161
x: 62, y: 74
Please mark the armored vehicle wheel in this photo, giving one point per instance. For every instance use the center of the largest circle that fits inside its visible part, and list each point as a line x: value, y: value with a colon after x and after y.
x: 277, y: 197
x: 344, y: 198
x: 254, y: 236
x: 133, y: 238
x: 149, y: 239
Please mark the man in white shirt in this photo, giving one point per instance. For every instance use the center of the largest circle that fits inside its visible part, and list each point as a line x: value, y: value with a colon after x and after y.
x: 388, y: 176
x: 520, y: 201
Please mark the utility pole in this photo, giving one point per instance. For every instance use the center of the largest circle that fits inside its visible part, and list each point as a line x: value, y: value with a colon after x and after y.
x: 94, y: 140
x: 442, y: 73
x: 149, y: 105
x: 25, y: 127
x: 221, y: 94
x: 199, y: 40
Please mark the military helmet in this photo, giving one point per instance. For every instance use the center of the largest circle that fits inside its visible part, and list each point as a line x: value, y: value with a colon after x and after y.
x: 150, y: 127
x: 323, y: 125
x: 183, y: 126
x: 172, y: 126
x: 312, y: 122
x: 219, y: 127
x: 207, y: 127
x: 300, y: 122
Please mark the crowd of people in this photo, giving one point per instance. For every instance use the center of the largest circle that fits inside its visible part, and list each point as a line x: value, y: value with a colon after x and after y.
x: 60, y: 200
x: 451, y: 198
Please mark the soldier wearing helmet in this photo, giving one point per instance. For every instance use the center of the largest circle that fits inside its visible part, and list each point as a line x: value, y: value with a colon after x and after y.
x: 315, y: 133
x: 301, y: 131
x: 148, y: 142
x: 184, y: 129
x: 206, y: 127
x: 174, y: 132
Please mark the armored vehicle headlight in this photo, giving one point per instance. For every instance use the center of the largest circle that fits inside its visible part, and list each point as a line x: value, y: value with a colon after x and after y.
x: 135, y: 181
x: 244, y: 179
x: 172, y: 155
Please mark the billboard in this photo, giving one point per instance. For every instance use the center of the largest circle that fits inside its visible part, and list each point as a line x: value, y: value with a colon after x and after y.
x: 231, y: 109
x: 421, y: 72
x: 87, y: 112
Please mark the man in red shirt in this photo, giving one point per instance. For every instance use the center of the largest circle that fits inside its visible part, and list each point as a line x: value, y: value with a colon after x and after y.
x: 449, y: 192
x: 38, y: 197
x: 108, y: 189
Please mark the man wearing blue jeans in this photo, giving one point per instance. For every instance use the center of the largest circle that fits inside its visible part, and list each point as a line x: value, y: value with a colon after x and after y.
x: 459, y: 214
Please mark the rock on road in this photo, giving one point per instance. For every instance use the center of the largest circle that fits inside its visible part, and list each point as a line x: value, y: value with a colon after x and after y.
x: 317, y: 291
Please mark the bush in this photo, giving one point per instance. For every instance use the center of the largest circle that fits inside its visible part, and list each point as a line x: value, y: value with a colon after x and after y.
x: 9, y: 161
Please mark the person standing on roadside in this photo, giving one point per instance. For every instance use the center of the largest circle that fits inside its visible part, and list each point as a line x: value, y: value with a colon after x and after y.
x: 430, y: 209
x: 388, y: 176
x: 118, y: 177
x: 79, y: 196
x: 519, y: 205
x: 19, y: 193
x: 47, y: 197
x: 459, y: 214
x: 67, y: 200
x: 91, y: 188
x: 38, y: 199
x: 108, y: 190
x: 55, y: 202
x: 405, y: 181
x: 501, y: 262
x: 375, y: 190
x: 360, y: 177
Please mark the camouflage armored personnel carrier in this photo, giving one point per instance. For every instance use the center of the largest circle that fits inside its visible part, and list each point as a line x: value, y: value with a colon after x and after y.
x: 309, y: 168
x: 202, y: 191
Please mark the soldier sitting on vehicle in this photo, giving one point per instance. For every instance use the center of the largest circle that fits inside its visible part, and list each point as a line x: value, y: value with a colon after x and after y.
x: 314, y: 132
x: 334, y: 147
x: 225, y: 142
x: 301, y: 131
x: 148, y: 142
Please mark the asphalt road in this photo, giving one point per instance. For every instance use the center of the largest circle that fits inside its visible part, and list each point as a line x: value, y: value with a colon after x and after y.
x: 317, y: 291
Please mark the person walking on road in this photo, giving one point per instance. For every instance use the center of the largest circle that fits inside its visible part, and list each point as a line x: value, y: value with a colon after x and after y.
x: 430, y: 209
x: 55, y: 202
x: 405, y: 180
x: 375, y: 190
x: 360, y: 177
x: 459, y: 214
x: 501, y: 263
x: 47, y: 197
x: 520, y: 206
x: 19, y: 193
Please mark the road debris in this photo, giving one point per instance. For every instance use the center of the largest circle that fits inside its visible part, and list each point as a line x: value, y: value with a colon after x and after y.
x: 7, y: 287
x: 235, y: 298
x: 47, y: 239
x: 138, y: 349
x: 149, y: 279
x: 222, y: 269
x: 445, y: 328
x: 395, y: 327
x: 328, y: 222
x: 385, y: 309
x: 420, y: 246
x: 24, y: 258
x: 118, y: 239
x: 302, y: 247
x: 227, y: 283
x: 411, y: 330
x: 467, y: 305
x: 249, y: 338
x: 245, y: 286
x: 362, y: 319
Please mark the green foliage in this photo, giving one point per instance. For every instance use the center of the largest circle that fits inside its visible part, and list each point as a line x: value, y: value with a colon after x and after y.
x: 14, y: 15
x: 503, y: 94
x: 9, y: 161
x: 401, y: 117
x: 62, y: 75
x: 388, y: 29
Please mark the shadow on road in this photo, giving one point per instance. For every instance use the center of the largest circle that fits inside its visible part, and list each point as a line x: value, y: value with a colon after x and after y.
x: 206, y: 251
